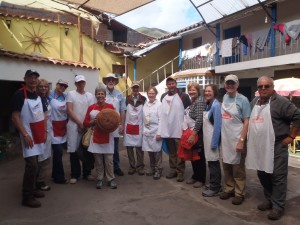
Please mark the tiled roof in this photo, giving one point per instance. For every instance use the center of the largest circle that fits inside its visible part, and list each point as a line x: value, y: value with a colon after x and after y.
x: 196, y: 25
x: 4, y: 53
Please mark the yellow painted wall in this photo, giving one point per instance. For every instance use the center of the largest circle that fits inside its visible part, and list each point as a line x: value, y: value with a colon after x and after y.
x: 56, y: 44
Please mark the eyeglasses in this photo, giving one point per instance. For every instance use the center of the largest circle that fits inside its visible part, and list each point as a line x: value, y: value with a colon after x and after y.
x: 267, y: 86
x: 110, y: 79
x: 230, y: 82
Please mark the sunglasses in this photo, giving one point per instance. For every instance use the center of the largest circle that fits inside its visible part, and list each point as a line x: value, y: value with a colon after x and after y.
x: 230, y: 82
x: 63, y: 85
x: 267, y: 86
x: 110, y: 79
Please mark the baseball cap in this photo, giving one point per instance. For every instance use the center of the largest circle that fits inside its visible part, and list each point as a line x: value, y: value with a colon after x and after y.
x: 135, y: 83
x: 79, y: 78
x: 110, y: 75
x: 170, y: 78
x: 232, y: 77
x: 31, y: 72
x: 61, y: 81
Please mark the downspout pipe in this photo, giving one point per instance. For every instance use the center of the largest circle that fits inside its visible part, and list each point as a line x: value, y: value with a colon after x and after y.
x: 134, y: 70
x: 218, y: 32
x: 273, y: 38
x: 180, y: 54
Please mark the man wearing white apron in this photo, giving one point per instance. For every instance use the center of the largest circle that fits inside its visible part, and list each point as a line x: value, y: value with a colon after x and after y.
x: 235, y: 118
x: 29, y: 119
x: 78, y: 102
x: 268, y: 138
x: 134, y: 130
x: 116, y: 98
x: 59, y: 129
x: 172, y: 116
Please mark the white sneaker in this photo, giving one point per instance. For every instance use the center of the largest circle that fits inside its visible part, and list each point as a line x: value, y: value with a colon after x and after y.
x: 73, y: 181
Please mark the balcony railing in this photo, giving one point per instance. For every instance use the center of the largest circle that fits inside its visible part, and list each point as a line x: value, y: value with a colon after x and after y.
x: 240, y: 55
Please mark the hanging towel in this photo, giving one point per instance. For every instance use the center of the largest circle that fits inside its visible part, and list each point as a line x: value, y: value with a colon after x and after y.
x: 292, y: 28
x: 226, y: 47
x: 260, y: 38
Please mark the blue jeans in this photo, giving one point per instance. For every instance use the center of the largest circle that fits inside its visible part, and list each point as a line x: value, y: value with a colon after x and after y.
x: 116, y: 156
x: 58, y: 173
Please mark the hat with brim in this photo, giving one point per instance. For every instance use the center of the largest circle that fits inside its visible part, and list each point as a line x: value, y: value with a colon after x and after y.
x: 31, y: 72
x: 62, y: 82
x: 110, y: 75
x: 135, y: 84
x: 170, y: 79
x: 79, y: 78
x: 232, y: 77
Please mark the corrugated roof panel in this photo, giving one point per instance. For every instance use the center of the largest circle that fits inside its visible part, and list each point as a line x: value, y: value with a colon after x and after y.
x: 213, y: 10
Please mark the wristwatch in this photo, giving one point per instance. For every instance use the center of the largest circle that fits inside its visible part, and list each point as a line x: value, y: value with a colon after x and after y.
x: 242, y: 139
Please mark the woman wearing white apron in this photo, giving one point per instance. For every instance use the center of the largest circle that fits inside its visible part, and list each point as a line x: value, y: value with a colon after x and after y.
x: 235, y: 117
x: 212, y: 122
x: 193, y: 119
x: 133, y: 130
x: 152, y: 142
x: 59, y: 130
x: 102, y: 143
x: 44, y: 159
x: 28, y: 117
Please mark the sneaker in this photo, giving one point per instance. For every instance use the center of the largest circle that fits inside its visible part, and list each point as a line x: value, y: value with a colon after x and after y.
x: 156, y: 175
x: 237, y: 200
x: 42, y: 186
x: 119, y: 172
x: 99, y: 184
x: 180, y: 178
x: 73, y: 181
x: 131, y: 171
x: 141, y: 172
x: 113, y: 184
x: 226, y: 195
x: 61, y: 181
x: 210, y: 193
x: 264, y: 206
x: 198, y: 184
x: 31, y: 202
x: 149, y: 173
x: 275, y: 214
x: 89, y: 178
x: 190, y: 181
x: 171, y: 175
x: 38, y: 194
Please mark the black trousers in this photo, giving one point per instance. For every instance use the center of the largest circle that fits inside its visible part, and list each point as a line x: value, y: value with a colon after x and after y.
x: 29, y: 178
x: 87, y: 159
x: 215, y: 175
x: 199, y: 168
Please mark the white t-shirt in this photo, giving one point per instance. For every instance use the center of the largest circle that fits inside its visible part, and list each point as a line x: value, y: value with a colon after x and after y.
x: 81, y: 102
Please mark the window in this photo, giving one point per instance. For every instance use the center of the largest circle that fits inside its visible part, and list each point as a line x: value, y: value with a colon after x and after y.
x: 197, y: 42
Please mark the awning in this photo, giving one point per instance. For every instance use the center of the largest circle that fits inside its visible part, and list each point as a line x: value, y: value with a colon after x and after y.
x: 116, y: 7
x: 193, y: 73
x: 213, y: 10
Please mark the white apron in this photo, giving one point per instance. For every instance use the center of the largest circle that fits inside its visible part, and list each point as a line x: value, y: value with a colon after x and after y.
x: 151, y: 118
x: 102, y: 143
x: 80, y: 106
x: 59, y: 121
x: 116, y: 103
x: 172, y: 116
x: 33, y: 119
x: 188, y: 122
x: 261, y: 140
x: 47, y: 145
x: 232, y: 126
x: 133, y: 126
x: 208, y: 130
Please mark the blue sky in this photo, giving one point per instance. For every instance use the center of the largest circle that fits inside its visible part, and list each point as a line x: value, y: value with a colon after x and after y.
x: 168, y: 15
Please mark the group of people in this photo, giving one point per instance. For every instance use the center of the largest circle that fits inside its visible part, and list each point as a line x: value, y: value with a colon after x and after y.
x: 188, y: 127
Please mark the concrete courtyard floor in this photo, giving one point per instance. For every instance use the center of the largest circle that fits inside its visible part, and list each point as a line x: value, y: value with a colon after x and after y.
x: 139, y: 200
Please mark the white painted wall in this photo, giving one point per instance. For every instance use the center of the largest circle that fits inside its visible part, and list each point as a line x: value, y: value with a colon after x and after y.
x: 14, y: 70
